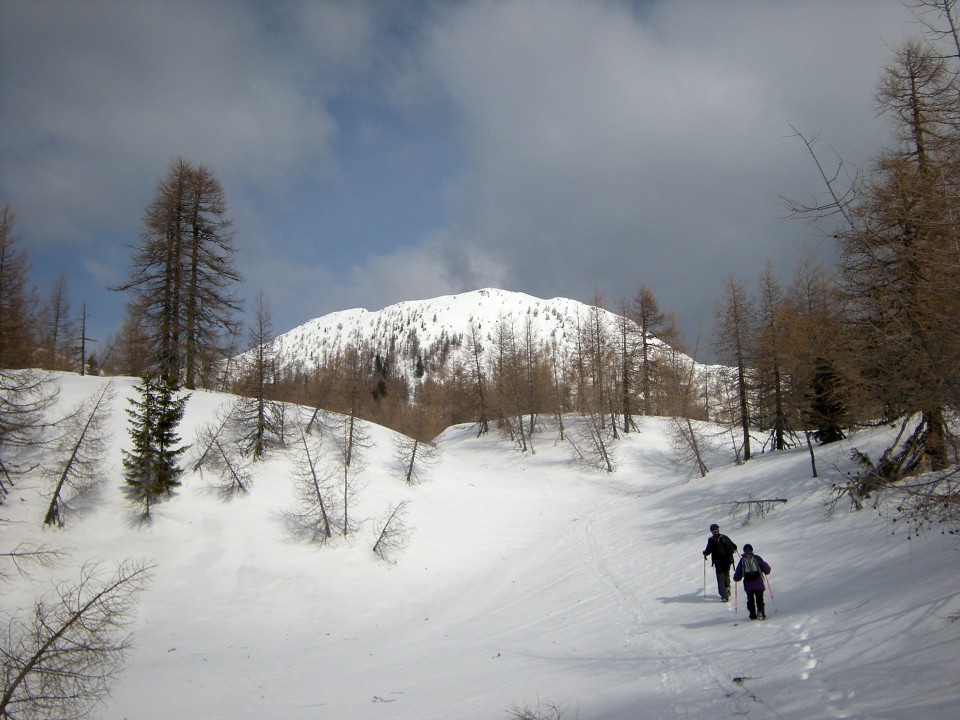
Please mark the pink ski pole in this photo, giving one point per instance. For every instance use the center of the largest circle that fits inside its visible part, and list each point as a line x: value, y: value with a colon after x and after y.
x: 766, y: 579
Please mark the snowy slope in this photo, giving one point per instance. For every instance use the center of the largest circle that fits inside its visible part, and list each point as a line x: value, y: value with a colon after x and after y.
x: 422, y: 327
x: 435, y: 319
x: 527, y: 579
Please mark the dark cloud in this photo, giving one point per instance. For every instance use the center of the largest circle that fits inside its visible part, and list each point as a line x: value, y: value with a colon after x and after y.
x: 374, y: 152
x: 608, y: 152
x: 104, y: 94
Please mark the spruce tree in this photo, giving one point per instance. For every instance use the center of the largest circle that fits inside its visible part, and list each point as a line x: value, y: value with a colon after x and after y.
x: 828, y: 412
x: 151, y: 468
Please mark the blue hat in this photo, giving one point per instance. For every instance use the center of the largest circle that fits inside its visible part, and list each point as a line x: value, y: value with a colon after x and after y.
x: 748, y: 548
x: 714, y: 527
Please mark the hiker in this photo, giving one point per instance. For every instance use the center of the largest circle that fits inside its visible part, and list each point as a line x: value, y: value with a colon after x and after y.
x: 749, y: 570
x: 721, y: 549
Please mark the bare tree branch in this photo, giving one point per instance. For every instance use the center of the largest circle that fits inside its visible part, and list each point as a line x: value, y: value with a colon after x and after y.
x: 752, y: 508
x: 25, y: 556
x: 62, y: 662
x: 392, y: 532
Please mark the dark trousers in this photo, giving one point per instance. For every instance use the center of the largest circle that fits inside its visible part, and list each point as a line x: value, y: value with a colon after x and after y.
x: 755, y: 604
x: 723, y: 581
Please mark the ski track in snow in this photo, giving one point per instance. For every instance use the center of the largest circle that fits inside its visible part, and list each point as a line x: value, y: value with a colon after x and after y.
x: 698, y: 684
x: 687, y: 672
x: 527, y: 577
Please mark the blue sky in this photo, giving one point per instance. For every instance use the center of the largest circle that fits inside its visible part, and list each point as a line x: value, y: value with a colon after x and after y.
x: 374, y: 151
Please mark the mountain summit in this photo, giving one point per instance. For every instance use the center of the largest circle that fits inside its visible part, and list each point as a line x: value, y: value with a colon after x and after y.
x: 428, y: 328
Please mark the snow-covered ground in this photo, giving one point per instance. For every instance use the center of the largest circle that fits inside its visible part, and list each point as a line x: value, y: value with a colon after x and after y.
x: 527, y: 580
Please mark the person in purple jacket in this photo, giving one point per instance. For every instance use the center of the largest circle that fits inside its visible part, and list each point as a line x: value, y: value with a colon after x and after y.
x: 751, y: 570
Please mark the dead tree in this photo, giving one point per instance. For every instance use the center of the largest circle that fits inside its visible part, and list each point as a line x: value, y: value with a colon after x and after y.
x: 929, y: 500
x: 475, y: 348
x: 255, y: 417
x: 25, y: 396
x: 559, y: 388
x: 233, y: 469
x: 511, y: 383
x: 61, y: 660
x: 392, y: 532
x: 687, y: 438
x: 734, y: 322
x: 220, y: 452
x: 350, y: 460
x: 591, y: 443
x: 81, y: 451
x: 414, y: 456
x: 209, y: 435
x: 543, y: 710
x: 24, y: 557
x: 590, y: 440
x: 686, y: 441
x: 315, y: 487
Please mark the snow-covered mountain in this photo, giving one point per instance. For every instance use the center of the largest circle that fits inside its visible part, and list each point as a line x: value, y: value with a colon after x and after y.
x: 428, y: 327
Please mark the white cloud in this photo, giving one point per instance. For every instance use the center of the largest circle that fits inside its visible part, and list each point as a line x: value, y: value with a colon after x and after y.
x: 436, y: 267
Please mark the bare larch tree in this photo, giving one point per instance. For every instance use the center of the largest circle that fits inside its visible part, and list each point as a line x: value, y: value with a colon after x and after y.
x: 61, y: 661
x: 182, y: 273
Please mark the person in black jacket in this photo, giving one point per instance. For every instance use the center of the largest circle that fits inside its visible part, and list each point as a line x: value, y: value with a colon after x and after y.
x: 721, y: 549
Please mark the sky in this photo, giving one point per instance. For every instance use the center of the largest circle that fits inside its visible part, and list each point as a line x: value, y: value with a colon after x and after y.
x: 374, y: 151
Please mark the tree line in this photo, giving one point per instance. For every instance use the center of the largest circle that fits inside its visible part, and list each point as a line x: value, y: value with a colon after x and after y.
x: 895, y: 227
x: 871, y: 339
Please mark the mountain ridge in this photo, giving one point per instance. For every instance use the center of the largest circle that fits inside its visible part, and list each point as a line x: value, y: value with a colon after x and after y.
x: 422, y: 327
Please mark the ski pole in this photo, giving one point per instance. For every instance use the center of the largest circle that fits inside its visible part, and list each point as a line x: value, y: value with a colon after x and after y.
x: 770, y: 588
x: 704, y: 577
x: 736, y: 598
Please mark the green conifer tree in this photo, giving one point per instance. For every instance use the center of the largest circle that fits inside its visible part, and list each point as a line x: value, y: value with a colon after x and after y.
x: 151, y: 468
x: 828, y: 412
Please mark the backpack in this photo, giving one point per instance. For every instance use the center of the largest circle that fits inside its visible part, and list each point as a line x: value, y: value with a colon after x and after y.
x: 750, y: 568
x: 724, y: 550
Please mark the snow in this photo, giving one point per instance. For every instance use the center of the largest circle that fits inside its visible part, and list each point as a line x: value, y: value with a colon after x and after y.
x: 407, y: 327
x: 527, y: 579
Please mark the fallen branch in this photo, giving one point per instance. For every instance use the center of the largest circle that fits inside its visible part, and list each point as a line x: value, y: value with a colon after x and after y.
x: 754, y: 507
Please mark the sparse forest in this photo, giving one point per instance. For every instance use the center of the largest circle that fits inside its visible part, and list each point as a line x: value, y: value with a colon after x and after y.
x: 872, y: 340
